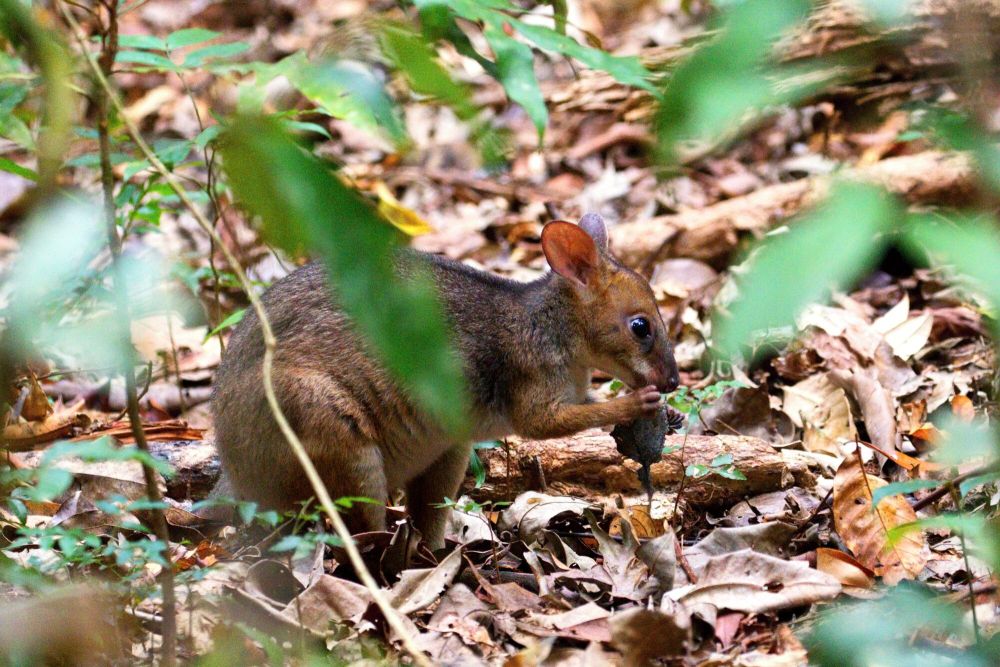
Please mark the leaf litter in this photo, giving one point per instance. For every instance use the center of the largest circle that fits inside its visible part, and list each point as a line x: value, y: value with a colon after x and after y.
x: 586, y: 577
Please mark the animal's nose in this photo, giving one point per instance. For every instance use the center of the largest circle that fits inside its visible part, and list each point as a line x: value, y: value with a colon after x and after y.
x: 671, y: 380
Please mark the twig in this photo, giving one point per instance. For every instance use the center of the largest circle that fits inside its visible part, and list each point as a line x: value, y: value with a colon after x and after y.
x: 392, y: 617
x: 141, y: 395
x: 680, y: 487
x: 968, y: 572
x: 819, y: 508
x: 683, y: 561
x: 942, y: 491
x: 109, y: 49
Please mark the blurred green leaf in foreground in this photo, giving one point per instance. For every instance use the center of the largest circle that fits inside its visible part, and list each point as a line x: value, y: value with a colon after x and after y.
x: 302, y: 204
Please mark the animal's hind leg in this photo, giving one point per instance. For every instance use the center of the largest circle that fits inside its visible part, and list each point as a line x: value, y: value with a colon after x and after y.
x: 426, y: 492
x: 357, y: 470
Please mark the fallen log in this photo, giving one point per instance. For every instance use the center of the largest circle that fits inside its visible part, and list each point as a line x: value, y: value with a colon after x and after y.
x: 589, y: 465
x: 712, y: 233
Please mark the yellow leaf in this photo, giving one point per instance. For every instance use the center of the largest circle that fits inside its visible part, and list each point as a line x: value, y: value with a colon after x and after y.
x: 403, y: 218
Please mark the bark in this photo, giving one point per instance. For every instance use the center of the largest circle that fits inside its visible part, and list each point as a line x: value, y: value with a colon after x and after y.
x: 589, y: 465
x: 712, y: 233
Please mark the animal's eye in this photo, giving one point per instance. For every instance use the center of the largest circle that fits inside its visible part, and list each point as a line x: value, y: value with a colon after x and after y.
x: 640, y: 327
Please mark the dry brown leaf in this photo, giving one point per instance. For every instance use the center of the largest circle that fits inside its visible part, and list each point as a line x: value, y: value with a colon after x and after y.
x: 36, y: 404
x: 866, y: 532
x: 29, y: 435
x: 644, y: 635
x: 643, y: 525
x: 961, y: 407
x: 877, y: 406
x: 856, y: 579
x: 418, y: 589
x: 824, y: 412
x: 329, y: 600
x: 753, y: 582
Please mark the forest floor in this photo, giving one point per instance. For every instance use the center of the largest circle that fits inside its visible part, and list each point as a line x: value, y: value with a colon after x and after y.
x: 761, y: 512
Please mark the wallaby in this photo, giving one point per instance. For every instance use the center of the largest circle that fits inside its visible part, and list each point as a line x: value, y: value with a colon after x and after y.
x: 527, y: 350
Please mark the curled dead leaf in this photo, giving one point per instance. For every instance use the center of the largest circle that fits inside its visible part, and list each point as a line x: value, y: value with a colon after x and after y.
x: 856, y: 579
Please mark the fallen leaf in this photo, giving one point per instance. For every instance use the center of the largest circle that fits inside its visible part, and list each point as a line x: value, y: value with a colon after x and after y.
x: 911, y: 336
x: 587, y: 622
x: 865, y: 532
x: 743, y: 411
x: 418, y: 589
x: 329, y: 600
x: 752, y: 582
x: 961, y: 407
x: 856, y: 579
x: 403, y: 218
x: 877, y: 406
x: 644, y: 635
x: 770, y: 538
x: 643, y: 525
x: 36, y: 404
x: 530, y: 513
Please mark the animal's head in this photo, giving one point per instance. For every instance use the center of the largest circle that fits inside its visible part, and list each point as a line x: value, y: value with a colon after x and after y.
x: 624, y: 332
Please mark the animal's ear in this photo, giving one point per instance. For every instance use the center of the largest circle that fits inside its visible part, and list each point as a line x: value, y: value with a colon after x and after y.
x: 571, y: 251
x: 593, y: 224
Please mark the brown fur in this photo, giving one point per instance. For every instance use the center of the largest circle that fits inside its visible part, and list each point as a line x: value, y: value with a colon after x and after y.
x: 527, y: 350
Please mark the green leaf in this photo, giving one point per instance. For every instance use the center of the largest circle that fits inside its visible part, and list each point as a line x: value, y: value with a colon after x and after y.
x: 152, y: 60
x: 12, y: 167
x: 287, y: 543
x: 103, y: 449
x: 302, y: 204
x: 880, y: 632
x: 347, y: 502
x: 189, y: 36
x: 696, y: 470
x: 960, y: 133
x: 303, y: 126
x: 828, y: 248
x: 207, y: 135
x: 722, y: 460
x: 437, y: 22
x: 976, y: 528
x: 172, y: 151
x: 148, y: 42
x: 426, y: 75
x: 970, y: 245
x: 625, y: 69
x: 15, y: 129
x: 50, y: 483
x: 477, y: 468
x: 345, y: 90
x: 711, y: 92
x: 411, y: 55
x: 516, y: 71
x: 731, y: 472
x: 198, y: 57
x: 234, y: 318
x: 965, y: 441
x: 896, y: 488
x: 968, y: 485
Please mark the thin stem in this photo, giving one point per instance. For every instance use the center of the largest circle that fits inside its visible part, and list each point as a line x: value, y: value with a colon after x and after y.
x: 968, y: 572
x: 942, y: 491
x: 109, y: 48
x: 392, y: 617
